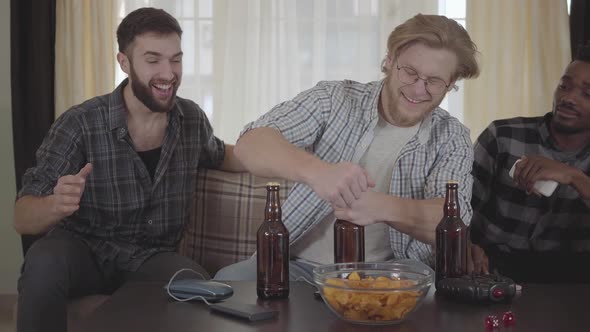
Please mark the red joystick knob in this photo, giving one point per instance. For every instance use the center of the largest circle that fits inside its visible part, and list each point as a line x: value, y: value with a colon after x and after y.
x: 498, y: 293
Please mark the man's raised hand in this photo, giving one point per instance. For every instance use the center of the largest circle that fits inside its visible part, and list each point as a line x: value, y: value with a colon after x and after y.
x: 68, y: 191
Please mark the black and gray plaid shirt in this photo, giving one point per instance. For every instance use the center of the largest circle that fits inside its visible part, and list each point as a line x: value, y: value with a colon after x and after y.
x: 505, y: 218
x: 124, y: 216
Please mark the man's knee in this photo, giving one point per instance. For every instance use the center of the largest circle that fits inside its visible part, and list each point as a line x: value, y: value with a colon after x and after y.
x: 244, y: 270
x: 47, y: 263
x: 42, y: 270
x: 42, y: 288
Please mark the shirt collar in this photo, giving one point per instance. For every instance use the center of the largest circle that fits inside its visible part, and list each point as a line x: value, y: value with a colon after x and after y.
x: 544, y: 133
x: 374, y: 98
x: 425, y: 126
x: 117, y: 110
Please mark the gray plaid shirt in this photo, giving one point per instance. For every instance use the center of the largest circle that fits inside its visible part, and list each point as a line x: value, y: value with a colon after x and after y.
x: 125, y: 216
x: 505, y: 218
x: 335, y: 121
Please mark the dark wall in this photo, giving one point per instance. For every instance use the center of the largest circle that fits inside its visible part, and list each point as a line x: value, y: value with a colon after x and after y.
x: 579, y: 23
x: 32, y: 58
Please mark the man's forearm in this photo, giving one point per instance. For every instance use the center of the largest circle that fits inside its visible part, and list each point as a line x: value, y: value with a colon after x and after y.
x: 33, y: 215
x: 417, y: 218
x: 230, y: 162
x: 265, y: 152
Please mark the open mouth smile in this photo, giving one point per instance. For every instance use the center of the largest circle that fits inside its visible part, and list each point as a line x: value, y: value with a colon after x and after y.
x: 163, y: 90
x: 411, y: 100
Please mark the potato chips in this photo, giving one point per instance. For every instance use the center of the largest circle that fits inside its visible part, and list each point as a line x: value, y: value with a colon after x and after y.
x: 377, y: 303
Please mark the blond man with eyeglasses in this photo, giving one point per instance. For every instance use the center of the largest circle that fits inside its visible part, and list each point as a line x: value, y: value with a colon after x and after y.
x: 376, y: 154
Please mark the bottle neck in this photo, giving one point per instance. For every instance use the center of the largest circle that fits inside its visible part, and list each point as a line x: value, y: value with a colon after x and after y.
x: 272, y: 211
x: 451, y: 207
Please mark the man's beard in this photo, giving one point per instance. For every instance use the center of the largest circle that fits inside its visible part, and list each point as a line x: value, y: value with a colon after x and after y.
x: 560, y: 127
x: 564, y: 129
x: 144, y: 94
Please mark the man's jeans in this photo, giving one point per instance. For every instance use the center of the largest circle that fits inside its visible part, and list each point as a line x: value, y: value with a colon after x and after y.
x: 60, y: 266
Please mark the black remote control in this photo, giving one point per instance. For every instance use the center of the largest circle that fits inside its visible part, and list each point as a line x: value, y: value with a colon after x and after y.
x: 483, y: 288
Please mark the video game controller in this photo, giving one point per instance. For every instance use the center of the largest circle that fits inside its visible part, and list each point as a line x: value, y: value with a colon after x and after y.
x: 544, y: 187
x: 482, y: 289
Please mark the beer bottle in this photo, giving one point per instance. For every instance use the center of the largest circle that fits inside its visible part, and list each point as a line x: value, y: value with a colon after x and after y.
x: 349, y: 242
x: 272, y: 256
x: 451, y: 238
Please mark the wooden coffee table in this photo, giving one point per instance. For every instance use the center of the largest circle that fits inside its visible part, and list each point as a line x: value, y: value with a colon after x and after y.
x: 146, y: 307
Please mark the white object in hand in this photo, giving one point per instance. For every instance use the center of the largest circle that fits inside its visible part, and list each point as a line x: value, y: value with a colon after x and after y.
x: 544, y: 187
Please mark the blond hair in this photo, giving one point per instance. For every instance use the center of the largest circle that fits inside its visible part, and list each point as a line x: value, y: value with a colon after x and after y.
x: 437, y: 32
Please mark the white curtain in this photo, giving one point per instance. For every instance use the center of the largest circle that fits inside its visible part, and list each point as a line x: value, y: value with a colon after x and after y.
x: 524, y: 47
x: 84, y: 51
x: 242, y: 57
x: 257, y: 58
x: 267, y: 51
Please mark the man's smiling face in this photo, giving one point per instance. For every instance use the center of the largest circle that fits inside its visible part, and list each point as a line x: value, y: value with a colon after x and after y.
x: 409, y: 103
x: 155, y: 70
x: 571, y: 101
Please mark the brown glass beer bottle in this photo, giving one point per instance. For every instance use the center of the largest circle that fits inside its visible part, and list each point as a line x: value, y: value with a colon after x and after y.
x: 451, y: 238
x: 349, y: 242
x: 272, y: 256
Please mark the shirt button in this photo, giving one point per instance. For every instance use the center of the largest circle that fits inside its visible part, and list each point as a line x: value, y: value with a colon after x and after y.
x: 150, y: 222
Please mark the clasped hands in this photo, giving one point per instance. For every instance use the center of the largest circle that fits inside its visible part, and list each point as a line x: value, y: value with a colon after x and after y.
x: 347, y: 187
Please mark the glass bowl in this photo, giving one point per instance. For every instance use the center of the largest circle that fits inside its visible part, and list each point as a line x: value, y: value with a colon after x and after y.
x: 373, y: 293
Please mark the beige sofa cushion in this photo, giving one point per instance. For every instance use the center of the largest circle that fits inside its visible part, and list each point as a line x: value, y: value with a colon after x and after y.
x: 228, y: 209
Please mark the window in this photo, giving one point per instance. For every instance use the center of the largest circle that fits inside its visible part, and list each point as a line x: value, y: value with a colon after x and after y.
x: 335, y: 39
x: 454, y: 9
x: 338, y: 39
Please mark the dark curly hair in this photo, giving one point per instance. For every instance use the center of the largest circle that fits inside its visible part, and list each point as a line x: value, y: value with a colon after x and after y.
x: 144, y: 20
x: 583, y: 52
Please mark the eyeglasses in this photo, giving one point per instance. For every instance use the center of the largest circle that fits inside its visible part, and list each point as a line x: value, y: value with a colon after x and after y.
x: 434, y: 85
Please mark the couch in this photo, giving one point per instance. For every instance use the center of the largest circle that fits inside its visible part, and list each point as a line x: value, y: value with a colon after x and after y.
x: 228, y: 209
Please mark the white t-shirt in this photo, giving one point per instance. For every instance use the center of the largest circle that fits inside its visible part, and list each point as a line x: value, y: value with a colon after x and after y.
x: 316, y: 246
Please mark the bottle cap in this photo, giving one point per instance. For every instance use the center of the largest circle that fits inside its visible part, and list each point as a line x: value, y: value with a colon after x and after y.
x: 273, y: 184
